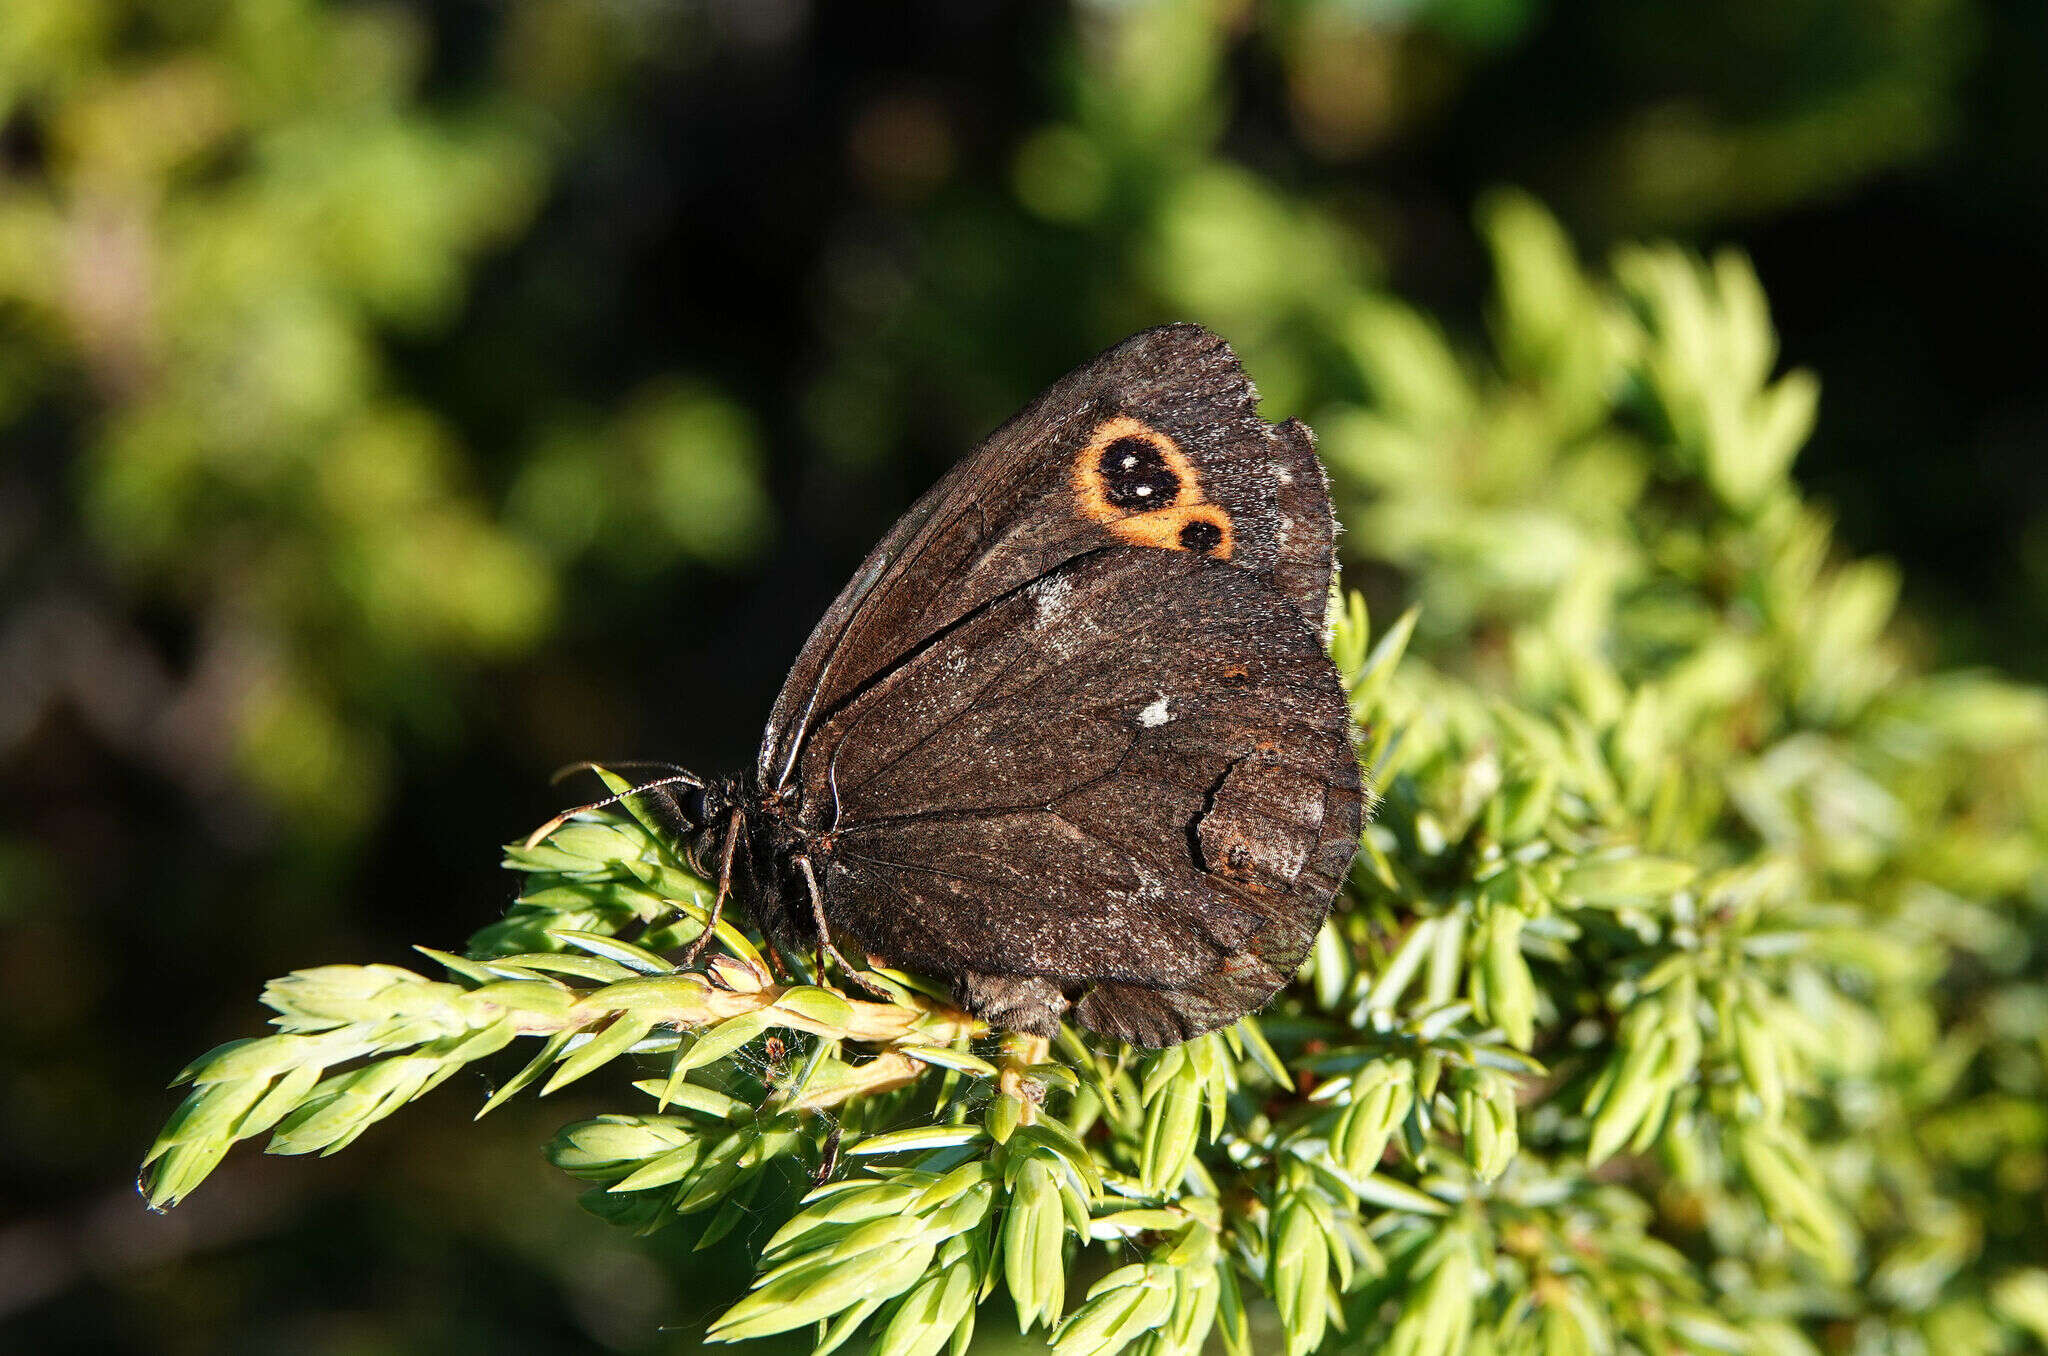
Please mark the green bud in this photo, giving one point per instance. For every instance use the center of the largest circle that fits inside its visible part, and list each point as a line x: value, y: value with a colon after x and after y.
x: 611, y: 1146
x: 1509, y: 988
x: 1299, y: 1266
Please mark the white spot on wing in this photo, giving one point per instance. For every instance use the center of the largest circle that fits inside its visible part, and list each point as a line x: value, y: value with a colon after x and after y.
x: 1050, y: 604
x: 1153, y: 716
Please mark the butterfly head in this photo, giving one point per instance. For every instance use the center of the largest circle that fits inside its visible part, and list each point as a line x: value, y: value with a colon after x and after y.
x: 702, y: 804
x: 700, y: 813
x: 688, y: 806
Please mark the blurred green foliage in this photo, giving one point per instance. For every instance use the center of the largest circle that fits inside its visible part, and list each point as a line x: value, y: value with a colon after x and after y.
x: 223, y: 237
x: 399, y: 399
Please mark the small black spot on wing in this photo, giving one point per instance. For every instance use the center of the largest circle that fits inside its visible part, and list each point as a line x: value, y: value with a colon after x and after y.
x: 1201, y: 535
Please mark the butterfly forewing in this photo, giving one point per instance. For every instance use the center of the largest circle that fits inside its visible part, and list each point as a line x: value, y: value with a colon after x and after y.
x: 1205, y: 475
x: 1070, y: 737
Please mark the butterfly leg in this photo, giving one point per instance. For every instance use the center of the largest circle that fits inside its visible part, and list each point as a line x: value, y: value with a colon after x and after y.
x: 825, y: 947
x: 733, y: 827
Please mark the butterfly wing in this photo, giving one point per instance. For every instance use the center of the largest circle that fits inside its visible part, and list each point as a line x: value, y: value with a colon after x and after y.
x: 1128, y: 782
x: 1156, y: 442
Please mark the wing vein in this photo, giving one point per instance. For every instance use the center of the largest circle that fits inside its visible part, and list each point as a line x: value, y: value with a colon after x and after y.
x: 832, y: 768
x: 896, y: 571
x: 895, y: 665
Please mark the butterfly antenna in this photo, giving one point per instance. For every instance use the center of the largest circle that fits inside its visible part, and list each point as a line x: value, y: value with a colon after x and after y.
x: 562, y: 774
x: 687, y: 778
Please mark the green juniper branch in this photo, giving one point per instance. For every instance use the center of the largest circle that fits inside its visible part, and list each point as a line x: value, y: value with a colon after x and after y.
x: 1658, y: 1013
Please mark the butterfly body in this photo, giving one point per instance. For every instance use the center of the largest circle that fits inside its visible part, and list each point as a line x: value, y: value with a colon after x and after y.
x: 1070, y: 739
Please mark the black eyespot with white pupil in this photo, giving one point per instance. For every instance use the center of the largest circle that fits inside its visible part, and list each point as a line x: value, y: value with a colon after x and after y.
x: 1135, y: 477
x: 1201, y: 535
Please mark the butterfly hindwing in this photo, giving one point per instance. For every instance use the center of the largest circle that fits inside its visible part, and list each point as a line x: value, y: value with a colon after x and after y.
x: 1128, y: 783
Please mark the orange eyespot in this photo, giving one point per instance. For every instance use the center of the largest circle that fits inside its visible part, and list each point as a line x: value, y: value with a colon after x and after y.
x: 1135, y: 479
x: 1129, y: 467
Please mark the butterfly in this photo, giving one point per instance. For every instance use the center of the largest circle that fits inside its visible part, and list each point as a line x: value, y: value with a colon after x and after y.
x: 1070, y: 740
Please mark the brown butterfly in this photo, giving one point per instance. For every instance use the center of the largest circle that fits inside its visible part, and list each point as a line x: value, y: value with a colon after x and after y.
x: 1070, y: 739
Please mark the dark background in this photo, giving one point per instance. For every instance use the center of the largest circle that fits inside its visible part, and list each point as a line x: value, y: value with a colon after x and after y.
x: 401, y: 401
